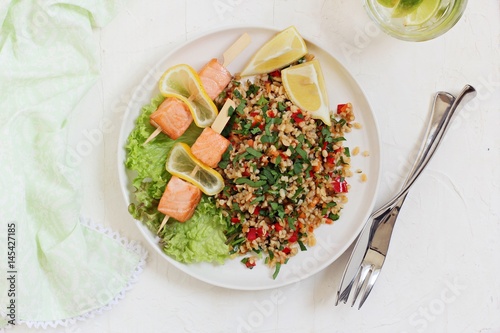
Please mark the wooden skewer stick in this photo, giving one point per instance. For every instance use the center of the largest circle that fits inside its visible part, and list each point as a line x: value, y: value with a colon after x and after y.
x: 235, y: 49
x: 223, y: 116
x: 218, y: 125
x: 163, y: 222
x: 153, y: 135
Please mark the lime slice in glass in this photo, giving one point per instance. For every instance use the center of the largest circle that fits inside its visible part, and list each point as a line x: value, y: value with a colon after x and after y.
x: 424, y: 12
x: 406, y: 7
x: 388, y: 3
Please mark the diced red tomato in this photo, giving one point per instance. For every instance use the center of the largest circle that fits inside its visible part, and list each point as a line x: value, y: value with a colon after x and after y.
x: 277, y: 227
x: 235, y: 220
x: 256, y: 211
x: 261, y: 232
x: 294, y: 237
x: 286, y: 250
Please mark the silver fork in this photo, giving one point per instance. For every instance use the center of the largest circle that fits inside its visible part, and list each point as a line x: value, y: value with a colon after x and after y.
x: 376, y: 235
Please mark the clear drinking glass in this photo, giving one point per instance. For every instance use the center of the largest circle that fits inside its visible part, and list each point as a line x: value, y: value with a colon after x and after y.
x: 433, y: 19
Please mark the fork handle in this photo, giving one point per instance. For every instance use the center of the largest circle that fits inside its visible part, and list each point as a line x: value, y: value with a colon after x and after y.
x: 467, y: 93
x: 383, y: 224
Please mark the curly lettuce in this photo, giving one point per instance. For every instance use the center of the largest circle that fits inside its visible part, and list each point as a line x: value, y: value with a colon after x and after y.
x: 199, y: 239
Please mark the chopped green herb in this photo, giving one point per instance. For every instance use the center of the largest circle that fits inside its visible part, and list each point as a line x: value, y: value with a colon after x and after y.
x: 281, y: 106
x: 276, y: 270
x: 262, y: 101
x: 254, y: 152
x: 301, y: 152
x: 249, y: 182
x: 340, y: 138
x: 252, y: 89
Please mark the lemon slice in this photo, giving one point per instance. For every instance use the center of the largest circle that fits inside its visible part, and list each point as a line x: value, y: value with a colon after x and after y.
x: 182, y: 81
x: 305, y: 86
x: 183, y: 164
x: 423, y: 13
x: 283, y: 49
x: 406, y: 7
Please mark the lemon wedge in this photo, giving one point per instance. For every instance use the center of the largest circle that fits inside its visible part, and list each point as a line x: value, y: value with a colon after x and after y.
x: 305, y: 87
x: 283, y: 49
x: 183, y: 164
x: 182, y: 82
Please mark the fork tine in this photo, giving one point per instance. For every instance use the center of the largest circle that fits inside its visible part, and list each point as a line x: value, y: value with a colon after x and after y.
x: 343, y: 295
x: 361, y: 280
x: 371, y: 282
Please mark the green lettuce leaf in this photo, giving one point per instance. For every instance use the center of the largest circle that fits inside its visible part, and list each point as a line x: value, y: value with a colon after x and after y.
x: 201, y: 238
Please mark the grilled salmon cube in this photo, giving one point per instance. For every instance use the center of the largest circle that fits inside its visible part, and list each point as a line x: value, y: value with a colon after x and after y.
x: 179, y: 200
x: 214, y: 78
x: 172, y: 116
x: 209, y: 147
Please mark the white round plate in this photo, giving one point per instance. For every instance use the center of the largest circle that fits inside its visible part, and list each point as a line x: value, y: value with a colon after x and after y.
x: 332, y: 240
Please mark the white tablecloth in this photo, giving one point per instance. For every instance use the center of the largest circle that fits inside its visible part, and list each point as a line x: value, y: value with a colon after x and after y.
x: 442, y: 271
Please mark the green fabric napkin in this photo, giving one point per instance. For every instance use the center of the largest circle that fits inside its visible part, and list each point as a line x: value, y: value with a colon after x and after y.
x: 62, y: 270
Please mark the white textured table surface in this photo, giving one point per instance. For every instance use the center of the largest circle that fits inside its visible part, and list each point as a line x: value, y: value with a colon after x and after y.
x: 442, y: 271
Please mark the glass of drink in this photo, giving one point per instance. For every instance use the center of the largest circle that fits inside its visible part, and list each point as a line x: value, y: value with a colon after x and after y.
x: 415, y: 20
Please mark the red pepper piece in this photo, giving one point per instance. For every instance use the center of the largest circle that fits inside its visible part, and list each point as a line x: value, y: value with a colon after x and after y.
x: 286, y: 250
x: 256, y: 210
x: 235, y: 220
x: 341, y: 108
x: 298, y: 117
x: 340, y: 185
x: 276, y: 73
x: 251, y: 234
x: 294, y: 237
x: 250, y: 264
x: 277, y: 227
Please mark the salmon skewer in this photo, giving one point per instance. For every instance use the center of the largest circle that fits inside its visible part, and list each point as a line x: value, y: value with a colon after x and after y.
x: 179, y: 200
x: 178, y: 120
x: 209, y: 147
x: 214, y: 78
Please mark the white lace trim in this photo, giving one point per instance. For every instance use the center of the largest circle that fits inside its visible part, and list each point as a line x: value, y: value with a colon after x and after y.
x: 131, y: 246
